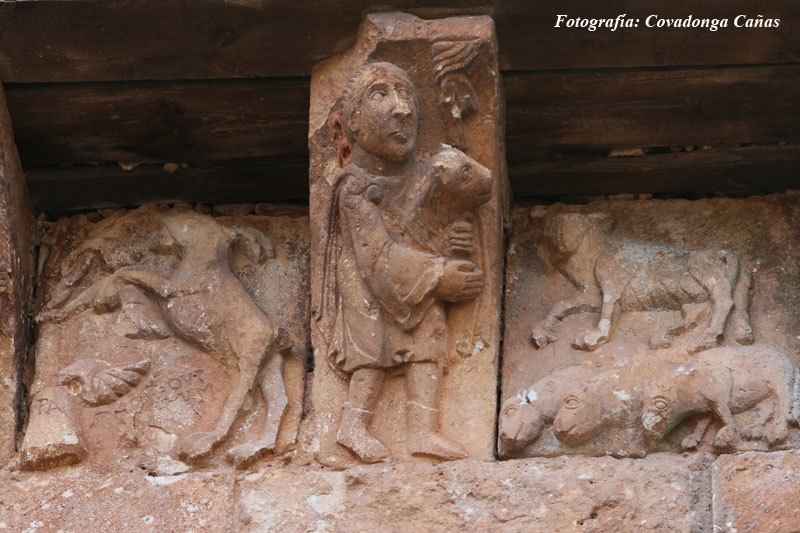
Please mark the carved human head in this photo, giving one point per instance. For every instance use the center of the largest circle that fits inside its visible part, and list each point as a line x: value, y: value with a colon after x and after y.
x: 379, y: 113
x: 520, y: 423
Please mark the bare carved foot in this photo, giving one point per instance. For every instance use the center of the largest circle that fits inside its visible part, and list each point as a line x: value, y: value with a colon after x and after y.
x: 244, y: 454
x: 198, y: 445
x: 543, y: 334
x: 589, y: 340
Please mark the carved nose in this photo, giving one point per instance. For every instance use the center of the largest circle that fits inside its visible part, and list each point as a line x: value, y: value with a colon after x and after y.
x: 401, y: 108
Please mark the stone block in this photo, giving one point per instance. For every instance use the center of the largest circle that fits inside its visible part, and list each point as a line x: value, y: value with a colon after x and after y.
x: 757, y: 492
x: 664, y: 492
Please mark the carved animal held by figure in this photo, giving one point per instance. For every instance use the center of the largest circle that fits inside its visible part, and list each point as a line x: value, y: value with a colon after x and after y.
x: 611, y: 399
x: 452, y: 188
x: 613, y: 275
x: 524, y: 415
x: 718, y: 384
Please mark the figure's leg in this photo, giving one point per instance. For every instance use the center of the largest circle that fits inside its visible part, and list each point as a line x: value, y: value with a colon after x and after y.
x: 740, y: 318
x: 200, y: 444
x: 365, y: 387
x: 273, y: 391
x: 423, y: 437
x: 720, y: 289
x: 593, y: 338
x: 694, y: 438
x: 781, y: 401
x: 692, y: 315
x: 727, y: 434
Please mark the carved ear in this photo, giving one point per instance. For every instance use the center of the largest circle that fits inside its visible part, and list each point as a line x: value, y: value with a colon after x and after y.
x: 438, y: 169
x: 443, y: 148
x: 253, y: 244
x: 336, y: 128
x: 602, y: 221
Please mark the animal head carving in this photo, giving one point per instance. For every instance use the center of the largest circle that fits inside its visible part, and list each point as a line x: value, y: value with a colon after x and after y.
x: 454, y: 183
x: 565, y: 232
x: 659, y: 415
x: 520, y: 423
x: 580, y: 416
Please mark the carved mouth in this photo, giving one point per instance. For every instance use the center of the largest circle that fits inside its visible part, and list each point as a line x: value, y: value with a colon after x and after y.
x: 399, y: 136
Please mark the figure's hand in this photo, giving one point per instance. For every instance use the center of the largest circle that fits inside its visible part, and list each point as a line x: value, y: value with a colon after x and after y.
x: 461, y: 239
x: 460, y: 282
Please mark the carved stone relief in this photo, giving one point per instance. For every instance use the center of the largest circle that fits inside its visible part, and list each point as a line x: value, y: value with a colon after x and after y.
x: 629, y: 325
x: 406, y: 237
x: 166, y: 334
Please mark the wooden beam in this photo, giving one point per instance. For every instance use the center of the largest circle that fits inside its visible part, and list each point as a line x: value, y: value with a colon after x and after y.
x: 623, y: 109
x: 739, y: 171
x: 97, y: 40
x: 182, y: 121
x: 550, y: 113
x: 748, y: 170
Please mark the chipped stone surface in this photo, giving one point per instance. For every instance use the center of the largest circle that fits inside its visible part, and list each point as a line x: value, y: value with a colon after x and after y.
x: 757, y: 492
x: 654, y: 286
x: 16, y: 272
x: 441, y: 77
x: 664, y: 492
x: 80, y: 499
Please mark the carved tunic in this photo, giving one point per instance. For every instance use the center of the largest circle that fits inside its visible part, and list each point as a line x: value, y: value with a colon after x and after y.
x: 387, y: 314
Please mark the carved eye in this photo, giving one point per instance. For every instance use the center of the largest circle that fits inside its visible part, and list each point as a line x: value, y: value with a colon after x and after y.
x: 402, y: 92
x: 466, y: 174
x: 510, y: 410
x: 572, y: 402
x: 660, y: 404
x: 377, y: 94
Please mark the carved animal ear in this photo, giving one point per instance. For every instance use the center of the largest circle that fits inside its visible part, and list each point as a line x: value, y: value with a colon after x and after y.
x: 438, y: 169
x: 253, y: 244
x: 602, y: 221
x: 443, y: 148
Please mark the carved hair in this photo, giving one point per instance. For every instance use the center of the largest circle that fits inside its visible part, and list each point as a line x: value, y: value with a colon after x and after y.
x: 342, y: 114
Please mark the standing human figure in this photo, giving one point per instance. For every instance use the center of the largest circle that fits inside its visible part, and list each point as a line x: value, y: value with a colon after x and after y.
x: 382, y: 297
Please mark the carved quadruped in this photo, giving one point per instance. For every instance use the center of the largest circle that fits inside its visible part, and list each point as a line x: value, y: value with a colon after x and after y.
x: 160, y: 339
x: 405, y: 222
x: 642, y: 315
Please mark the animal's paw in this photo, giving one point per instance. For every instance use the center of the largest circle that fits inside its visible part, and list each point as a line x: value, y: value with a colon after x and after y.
x: 589, y: 340
x: 197, y: 445
x: 543, y: 335
x: 776, y: 433
x: 753, y: 431
x: 707, y: 341
x: 725, y: 438
x: 690, y: 441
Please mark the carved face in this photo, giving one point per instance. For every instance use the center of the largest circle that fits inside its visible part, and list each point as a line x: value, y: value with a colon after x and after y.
x: 386, y: 121
x: 579, y: 417
x: 461, y: 183
x: 565, y: 233
x: 520, y: 424
x: 658, y: 413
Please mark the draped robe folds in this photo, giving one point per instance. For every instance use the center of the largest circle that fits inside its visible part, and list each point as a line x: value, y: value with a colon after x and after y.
x: 379, y: 287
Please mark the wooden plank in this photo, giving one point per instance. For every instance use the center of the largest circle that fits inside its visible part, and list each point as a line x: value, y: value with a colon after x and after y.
x: 160, y: 121
x: 742, y: 171
x: 547, y: 113
x: 621, y: 109
x: 97, y: 40
x: 56, y: 190
x: 739, y: 171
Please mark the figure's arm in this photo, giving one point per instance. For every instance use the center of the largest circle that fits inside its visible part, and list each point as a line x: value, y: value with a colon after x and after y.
x: 151, y: 282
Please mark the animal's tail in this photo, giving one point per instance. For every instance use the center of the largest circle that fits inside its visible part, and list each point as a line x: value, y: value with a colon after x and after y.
x: 742, y: 295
